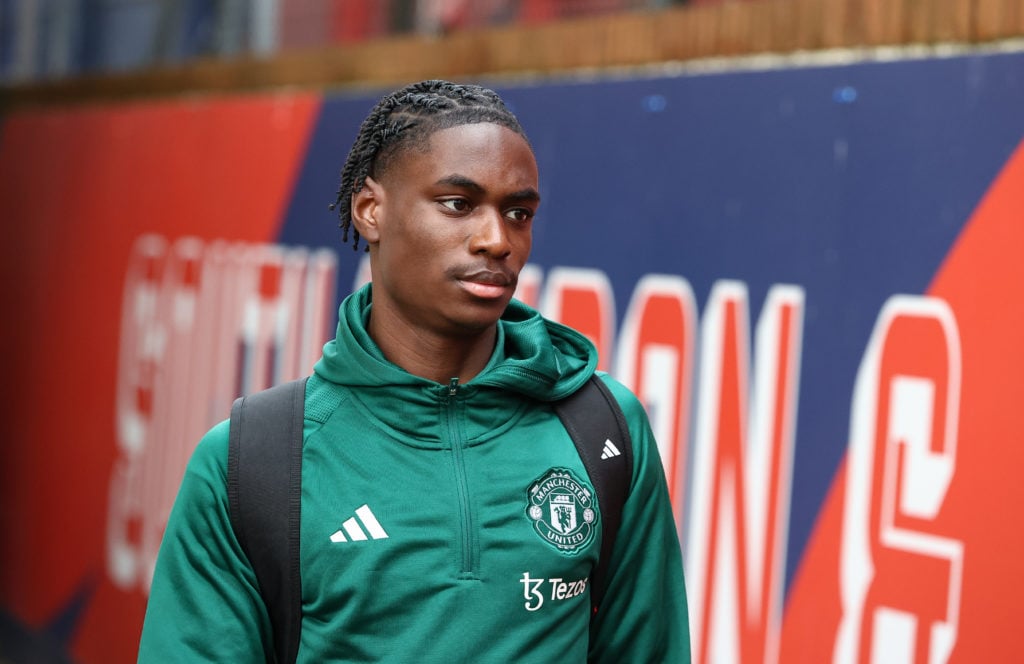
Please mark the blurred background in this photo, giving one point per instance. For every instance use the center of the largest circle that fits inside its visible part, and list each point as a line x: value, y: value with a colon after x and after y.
x: 793, y: 227
x: 60, y: 38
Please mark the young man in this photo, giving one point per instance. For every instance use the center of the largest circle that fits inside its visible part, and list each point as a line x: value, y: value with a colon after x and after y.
x: 446, y: 514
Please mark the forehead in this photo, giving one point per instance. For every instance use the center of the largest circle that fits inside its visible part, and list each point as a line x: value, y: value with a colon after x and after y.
x: 478, y: 150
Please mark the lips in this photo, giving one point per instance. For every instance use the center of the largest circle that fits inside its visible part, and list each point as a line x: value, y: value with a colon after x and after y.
x: 487, y: 284
x: 489, y: 277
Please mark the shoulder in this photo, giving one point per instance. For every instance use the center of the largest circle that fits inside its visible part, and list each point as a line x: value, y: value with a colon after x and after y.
x: 632, y: 409
x: 627, y: 400
x: 208, y: 466
x: 644, y: 447
x: 200, y: 512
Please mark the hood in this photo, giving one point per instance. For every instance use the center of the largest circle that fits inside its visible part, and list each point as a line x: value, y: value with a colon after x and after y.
x: 534, y: 357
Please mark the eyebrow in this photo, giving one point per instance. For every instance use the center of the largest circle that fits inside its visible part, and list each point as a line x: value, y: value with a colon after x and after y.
x: 524, y: 195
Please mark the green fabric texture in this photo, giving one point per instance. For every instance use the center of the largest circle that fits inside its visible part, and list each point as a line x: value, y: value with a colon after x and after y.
x: 416, y: 543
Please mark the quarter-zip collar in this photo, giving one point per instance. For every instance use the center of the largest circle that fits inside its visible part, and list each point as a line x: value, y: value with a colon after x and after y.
x: 534, y: 359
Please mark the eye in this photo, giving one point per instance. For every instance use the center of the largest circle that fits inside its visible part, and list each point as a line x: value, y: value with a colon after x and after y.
x: 519, y: 214
x: 456, y: 204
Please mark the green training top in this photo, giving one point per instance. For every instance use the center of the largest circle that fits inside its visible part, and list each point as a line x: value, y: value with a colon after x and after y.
x: 440, y: 523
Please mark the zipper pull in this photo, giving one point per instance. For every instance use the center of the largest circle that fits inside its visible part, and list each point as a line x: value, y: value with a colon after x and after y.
x: 453, y: 386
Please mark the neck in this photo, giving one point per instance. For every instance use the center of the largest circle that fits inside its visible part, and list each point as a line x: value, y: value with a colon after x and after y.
x: 433, y: 356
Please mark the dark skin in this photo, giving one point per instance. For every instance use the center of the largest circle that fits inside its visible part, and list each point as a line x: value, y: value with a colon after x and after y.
x: 448, y: 228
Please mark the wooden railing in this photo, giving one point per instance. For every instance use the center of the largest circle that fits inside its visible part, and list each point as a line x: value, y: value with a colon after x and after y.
x: 730, y: 28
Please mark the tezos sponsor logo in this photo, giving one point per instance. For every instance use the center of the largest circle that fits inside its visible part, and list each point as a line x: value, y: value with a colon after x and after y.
x: 535, y: 591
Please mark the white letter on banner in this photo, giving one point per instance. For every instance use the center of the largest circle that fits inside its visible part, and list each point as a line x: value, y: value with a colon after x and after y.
x: 900, y: 581
x: 655, y: 360
x: 742, y: 474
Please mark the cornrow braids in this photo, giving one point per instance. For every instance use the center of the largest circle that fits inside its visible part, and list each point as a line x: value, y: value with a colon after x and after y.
x: 408, y: 117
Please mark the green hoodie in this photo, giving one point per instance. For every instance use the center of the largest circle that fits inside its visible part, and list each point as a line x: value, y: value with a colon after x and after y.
x: 440, y: 523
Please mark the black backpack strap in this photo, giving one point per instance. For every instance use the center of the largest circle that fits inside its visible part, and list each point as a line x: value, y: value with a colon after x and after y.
x: 264, y: 501
x: 597, y: 426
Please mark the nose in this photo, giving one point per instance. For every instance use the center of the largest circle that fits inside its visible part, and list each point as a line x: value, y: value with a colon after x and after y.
x: 490, y: 235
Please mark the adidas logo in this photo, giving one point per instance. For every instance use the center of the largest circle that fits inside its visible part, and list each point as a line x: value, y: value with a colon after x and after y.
x: 352, y: 532
x: 610, y: 450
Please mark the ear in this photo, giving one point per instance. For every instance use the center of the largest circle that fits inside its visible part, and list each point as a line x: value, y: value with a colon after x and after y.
x: 367, y: 210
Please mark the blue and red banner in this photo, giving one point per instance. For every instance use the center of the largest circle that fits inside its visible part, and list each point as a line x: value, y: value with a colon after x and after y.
x: 811, y: 276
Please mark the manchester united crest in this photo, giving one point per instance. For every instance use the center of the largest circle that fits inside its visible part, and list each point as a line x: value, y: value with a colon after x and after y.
x: 562, y: 510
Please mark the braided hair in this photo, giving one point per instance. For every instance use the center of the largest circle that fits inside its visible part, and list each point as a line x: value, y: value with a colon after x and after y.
x: 408, y: 117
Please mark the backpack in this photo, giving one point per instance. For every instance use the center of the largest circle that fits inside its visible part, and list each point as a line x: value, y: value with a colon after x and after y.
x: 264, y: 484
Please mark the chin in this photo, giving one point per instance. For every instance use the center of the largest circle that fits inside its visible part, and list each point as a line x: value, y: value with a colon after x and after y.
x: 482, y: 319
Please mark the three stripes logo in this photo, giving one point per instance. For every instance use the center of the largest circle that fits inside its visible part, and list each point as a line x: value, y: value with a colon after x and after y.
x: 610, y: 450
x: 351, y: 531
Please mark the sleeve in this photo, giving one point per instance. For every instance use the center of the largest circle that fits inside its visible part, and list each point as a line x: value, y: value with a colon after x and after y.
x: 643, y: 616
x: 204, y: 603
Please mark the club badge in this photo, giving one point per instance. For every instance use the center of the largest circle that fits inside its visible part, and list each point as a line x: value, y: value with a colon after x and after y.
x: 563, y: 510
